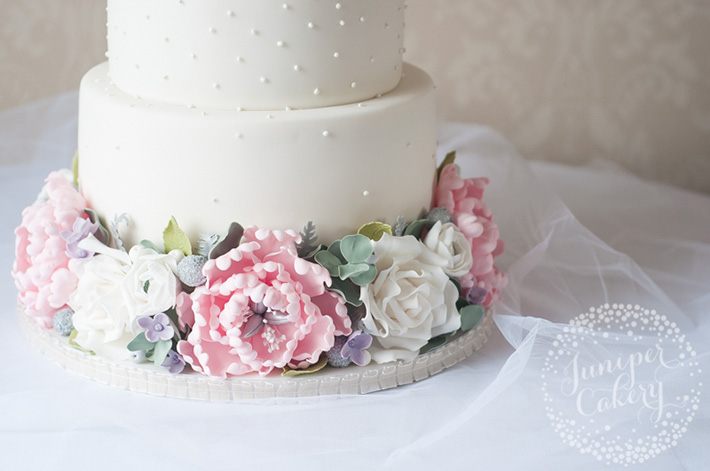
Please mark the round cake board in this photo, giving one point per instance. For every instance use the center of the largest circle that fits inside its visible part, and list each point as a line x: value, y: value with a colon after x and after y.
x: 150, y: 379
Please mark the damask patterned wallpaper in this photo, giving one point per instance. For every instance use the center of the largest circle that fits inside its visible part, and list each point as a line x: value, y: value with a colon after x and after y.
x: 565, y: 80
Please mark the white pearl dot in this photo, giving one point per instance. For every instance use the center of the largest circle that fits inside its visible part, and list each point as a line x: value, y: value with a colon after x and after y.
x: 362, y: 19
x: 212, y: 30
x: 193, y: 56
x: 326, y: 133
x: 280, y: 44
x: 353, y: 85
x: 240, y: 59
x: 240, y: 135
x: 336, y: 54
x: 316, y: 91
x: 338, y: 6
x: 311, y: 25
x: 254, y: 32
x: 216, y: 86
x: 285, y: 6
x: 230, y: 13
x: 263, y: 79
x: 269, y: 116
x: 342, y: 22
x: 165, y: 77
x: 296, y: 67
x: 365, y: 193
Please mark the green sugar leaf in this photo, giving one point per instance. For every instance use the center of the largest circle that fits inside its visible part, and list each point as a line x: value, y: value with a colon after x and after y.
x: 356, y: 248
x: 161, y: 351
x: 471, y: 316
x: 448, y: 160
x: 334, y: 248
x: 140, y: 343
x: 75, y: 169
x: 150, y: 245
x: 351, y: 270
x: 375, y: 230
x: 328, y: 261
x: 365, y: 278
x: 72, y: 342
x: 175, y: 239
x: 347, y: 290
x: 433, y: 344
x: 289, y: 372
x: 416, y: 228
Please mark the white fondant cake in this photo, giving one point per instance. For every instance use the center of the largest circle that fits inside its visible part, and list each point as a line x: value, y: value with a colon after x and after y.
x: 255, y: 54
x: 220, y: 128
x: 340, y: 166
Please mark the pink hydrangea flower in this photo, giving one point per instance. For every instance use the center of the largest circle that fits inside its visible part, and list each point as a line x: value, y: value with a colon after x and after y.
x: 463, y: 198
x: 262, y: 308
x: 41, y: 268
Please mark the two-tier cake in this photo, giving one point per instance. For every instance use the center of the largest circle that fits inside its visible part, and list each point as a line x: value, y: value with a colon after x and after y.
x: 216, y: 130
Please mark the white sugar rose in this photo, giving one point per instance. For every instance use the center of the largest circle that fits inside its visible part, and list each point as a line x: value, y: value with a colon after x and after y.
x: 410, y: 301
x: 448, y: 242
x: 114, y: 290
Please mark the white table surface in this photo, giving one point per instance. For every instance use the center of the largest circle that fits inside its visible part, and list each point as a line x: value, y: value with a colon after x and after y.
x: 576, y: 237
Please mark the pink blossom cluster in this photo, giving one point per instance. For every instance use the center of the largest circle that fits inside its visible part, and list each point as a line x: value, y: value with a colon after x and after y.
x: 262, y: 308
x: 41, y: 268
x: 463, y: 199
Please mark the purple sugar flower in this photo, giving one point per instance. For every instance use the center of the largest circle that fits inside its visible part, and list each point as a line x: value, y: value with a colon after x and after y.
x: 476, y: 295
x: 81, y: 229
x: 174, y: 362
x: 354, y: 348
x: 157, y: 328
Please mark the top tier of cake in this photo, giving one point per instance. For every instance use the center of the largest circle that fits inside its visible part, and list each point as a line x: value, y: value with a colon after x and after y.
x: 255, y: 54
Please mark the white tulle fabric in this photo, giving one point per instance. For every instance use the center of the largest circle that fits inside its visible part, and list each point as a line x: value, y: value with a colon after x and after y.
x: 575, y: 238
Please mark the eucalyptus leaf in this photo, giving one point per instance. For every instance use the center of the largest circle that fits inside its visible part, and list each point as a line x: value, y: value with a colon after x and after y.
x: 462, y: 303
x: 416, y: 228
x: 162, y: 348
x: 433, y: 344
x: 72, y: 342
x: 150, y: 245
x: 365, y: 278
x: 400, y: 226
x: 351, y: 270
x: 375, y: 230
x: 334, y: 248
x: 328, y: 261
x: 140, y: 343
x: 75, y: 169
x: 448, y: 160
x: 175, y: 239
x: 471, y: 316
x: 231, y: 241
x: 322, y: 362
x: 456, y: 283
x: 347, y: 290
x: 356, y: 248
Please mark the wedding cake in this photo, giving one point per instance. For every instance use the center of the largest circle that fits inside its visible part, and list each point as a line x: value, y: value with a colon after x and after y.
x: 214, y: 132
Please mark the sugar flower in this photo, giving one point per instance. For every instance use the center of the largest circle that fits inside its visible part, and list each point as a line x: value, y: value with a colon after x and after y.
x: 262, y: 308
x: 411, y: 300
x: 157, y: 327
x: 463, y: 199
x: 174, y: 363
x: 448, y: 242
x: 355, y: 348
x: 41, y: 268
x: 116, y: 289
x: 80, y: 230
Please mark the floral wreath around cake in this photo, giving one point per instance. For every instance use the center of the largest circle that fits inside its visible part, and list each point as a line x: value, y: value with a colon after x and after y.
x: 255, y: 299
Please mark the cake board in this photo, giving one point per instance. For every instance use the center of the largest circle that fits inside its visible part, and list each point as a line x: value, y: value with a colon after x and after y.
x: 352, y: 380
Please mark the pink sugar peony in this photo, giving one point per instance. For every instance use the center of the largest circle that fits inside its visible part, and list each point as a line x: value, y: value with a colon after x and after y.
x: 463, y: 198
x: 262, y: 308
x: 41, y: 268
